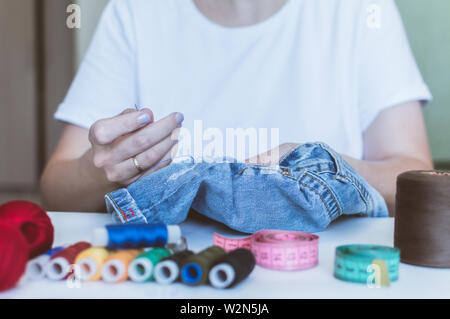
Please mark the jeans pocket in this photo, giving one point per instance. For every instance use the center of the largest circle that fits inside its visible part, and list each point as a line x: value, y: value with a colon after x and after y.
x: 328, y: 171
x: 266, y: 198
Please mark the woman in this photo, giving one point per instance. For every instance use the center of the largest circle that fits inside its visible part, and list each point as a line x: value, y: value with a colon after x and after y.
x: 335, y: 71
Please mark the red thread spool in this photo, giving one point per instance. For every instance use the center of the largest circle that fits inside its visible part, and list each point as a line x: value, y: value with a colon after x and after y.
x: 14, y: 255
x: 59, y: 267
x: 33, y: 222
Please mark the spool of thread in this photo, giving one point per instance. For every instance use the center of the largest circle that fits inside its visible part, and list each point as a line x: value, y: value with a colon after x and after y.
x: 232, y: 269
x: 115, y: 268
x: 180, y: 245
x: 168, y: 270
x: 59, y: 266
x: 141, y: 269
x: 422, y: 218
x: 356, y: 263
x: 33, y: 222
x: 136, y: 236
x: 91, y: 262
x: 14, y: 256
x: 36, y: 267
x: 196, y: 268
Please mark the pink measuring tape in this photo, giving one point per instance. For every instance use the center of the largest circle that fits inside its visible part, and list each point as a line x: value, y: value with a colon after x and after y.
x: 277, y: 249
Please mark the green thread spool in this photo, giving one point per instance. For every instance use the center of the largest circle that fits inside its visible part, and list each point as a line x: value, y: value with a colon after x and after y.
x: 364, y: 263
x: 142, y: 267
x: 195, y: 268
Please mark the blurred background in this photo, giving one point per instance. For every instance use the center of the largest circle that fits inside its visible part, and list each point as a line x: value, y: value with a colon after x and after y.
x: 39, y: 56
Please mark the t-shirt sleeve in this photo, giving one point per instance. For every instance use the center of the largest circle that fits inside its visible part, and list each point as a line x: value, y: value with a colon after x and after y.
x: 387, y: 71
x: 105, y: 84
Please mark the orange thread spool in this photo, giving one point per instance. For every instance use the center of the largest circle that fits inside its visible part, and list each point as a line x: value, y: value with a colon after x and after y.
x: 115, y: 268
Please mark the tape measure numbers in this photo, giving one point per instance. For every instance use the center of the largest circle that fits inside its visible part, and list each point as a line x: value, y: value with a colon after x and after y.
x: 278, y: 250
x: 363, y: 263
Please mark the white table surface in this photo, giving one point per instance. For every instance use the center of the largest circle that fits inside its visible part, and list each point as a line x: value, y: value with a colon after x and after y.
x: 414, y: 282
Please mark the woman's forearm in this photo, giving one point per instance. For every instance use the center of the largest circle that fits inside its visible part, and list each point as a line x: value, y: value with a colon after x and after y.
x: 382, y: 175
x: 75, y: 185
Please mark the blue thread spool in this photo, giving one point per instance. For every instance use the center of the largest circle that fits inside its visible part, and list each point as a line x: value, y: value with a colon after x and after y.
x: 191, y: 273
x: 168, y: 270
x: 136, y: 236
x: 55, y: 250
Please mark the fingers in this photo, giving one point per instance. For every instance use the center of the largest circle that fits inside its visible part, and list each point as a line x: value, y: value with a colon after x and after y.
x: 252, y: 160
x: 128, y: 111
x: 164, y: 162
x: 265, y: 159
x: 116, y: 141
x: 105, y: 131
x: 155, y: 155
x: 262, y: 159
x: 145, y: 139
x: 149, y: 160
x: 268, y: 158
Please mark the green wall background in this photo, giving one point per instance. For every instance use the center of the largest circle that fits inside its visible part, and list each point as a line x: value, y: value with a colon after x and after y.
x: 428, y: 26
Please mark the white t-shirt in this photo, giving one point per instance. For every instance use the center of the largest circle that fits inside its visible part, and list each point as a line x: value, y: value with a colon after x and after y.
x: 318, y: 70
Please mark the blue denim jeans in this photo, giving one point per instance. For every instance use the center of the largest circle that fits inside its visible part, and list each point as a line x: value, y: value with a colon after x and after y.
x: 311, y: 187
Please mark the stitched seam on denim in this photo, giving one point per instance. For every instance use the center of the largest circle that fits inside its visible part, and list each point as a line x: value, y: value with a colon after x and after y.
x: 320, y: 196
x: 321, y: 163
x: 328, y: 163
x: 289, y: 153
x: 361, y: 190
x: 334, y: 160
x: 317, y: 171
x: 117, y: 207
x: 266, y: 168
x: 336, y: 203
x: 128, y: 202
x: 114, y: 202
x: 341, y: 170
x: 276, y: 171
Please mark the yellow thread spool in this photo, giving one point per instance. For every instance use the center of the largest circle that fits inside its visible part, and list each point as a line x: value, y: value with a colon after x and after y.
x: 91, y: 261
x: 115, y: 268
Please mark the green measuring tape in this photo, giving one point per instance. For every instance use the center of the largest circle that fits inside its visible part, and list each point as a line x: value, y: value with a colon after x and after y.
x: 367, y: 264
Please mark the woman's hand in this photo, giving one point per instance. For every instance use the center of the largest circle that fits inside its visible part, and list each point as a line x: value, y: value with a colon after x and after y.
x: 133, y: 136
x: 87, y: 164
x: 273, y: 156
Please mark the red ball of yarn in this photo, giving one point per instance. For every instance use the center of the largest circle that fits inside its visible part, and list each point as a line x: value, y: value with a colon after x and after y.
x: 14, y: 255
x: 33, y: 222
